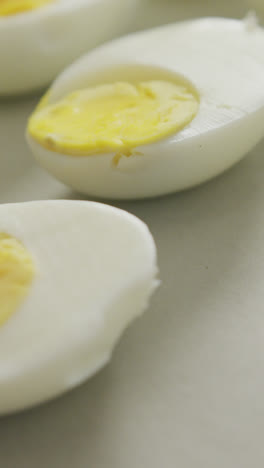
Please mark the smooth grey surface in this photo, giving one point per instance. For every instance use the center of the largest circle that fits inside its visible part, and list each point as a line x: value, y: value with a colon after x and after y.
x: 186, y: 385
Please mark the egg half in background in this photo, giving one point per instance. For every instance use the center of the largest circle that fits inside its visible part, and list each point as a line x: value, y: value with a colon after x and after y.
x: 39, y: 38
x: 73, y: 275
x: 155, y: 112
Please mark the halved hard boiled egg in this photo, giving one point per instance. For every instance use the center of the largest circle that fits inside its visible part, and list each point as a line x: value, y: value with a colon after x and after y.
x: 154, y: 112
x: 38, y: 38
x: 73, y: 275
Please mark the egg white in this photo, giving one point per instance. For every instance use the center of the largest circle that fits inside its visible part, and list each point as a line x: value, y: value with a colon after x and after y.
x: 96, y: 269
x: 222, y: 58
x: 36, y: 45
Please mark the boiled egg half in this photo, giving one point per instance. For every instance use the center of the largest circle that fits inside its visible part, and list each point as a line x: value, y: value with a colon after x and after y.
x: 38, y: 38
x: 155, y: 112
x: 73, y: 275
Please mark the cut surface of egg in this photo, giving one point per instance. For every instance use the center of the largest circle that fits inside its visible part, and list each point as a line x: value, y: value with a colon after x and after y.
x: 109, y: 117
x: 73, y: 275
x: 39, y: 38
x: 154, y: 112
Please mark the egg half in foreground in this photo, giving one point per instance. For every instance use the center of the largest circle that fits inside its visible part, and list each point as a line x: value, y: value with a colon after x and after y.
x: 154, y: 112
x: 73, y: 275
x: 39, y: 38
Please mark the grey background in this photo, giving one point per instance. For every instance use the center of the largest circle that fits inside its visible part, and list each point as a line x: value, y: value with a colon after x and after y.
x: 185, y: 387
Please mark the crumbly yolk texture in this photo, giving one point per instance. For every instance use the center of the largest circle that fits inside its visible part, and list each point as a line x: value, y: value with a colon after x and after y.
x: 16, y: 275
x: 13, y: 7
x: 114, y: 117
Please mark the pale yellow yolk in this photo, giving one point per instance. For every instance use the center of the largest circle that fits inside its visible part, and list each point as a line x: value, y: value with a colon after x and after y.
x: 114, y: 117
x: 13, y: 7
x: 16, y: 275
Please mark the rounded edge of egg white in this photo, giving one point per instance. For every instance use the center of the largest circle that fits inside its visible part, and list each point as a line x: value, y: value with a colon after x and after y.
x: 157, y: 169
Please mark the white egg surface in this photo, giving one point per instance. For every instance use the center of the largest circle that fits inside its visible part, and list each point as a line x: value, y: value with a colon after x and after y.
x: 38, y: 38
x: 201, y: 110
x: 73, y: 275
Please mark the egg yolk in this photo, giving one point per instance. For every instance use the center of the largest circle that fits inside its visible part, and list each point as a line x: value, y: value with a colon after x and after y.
x: 16, y: 275
x: 13, y: 7
x: 114, y: 117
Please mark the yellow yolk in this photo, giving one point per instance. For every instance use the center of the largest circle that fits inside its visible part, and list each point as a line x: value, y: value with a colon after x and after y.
x: 16, y: 275
x: 13, y: 7
x: 114, y: 117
